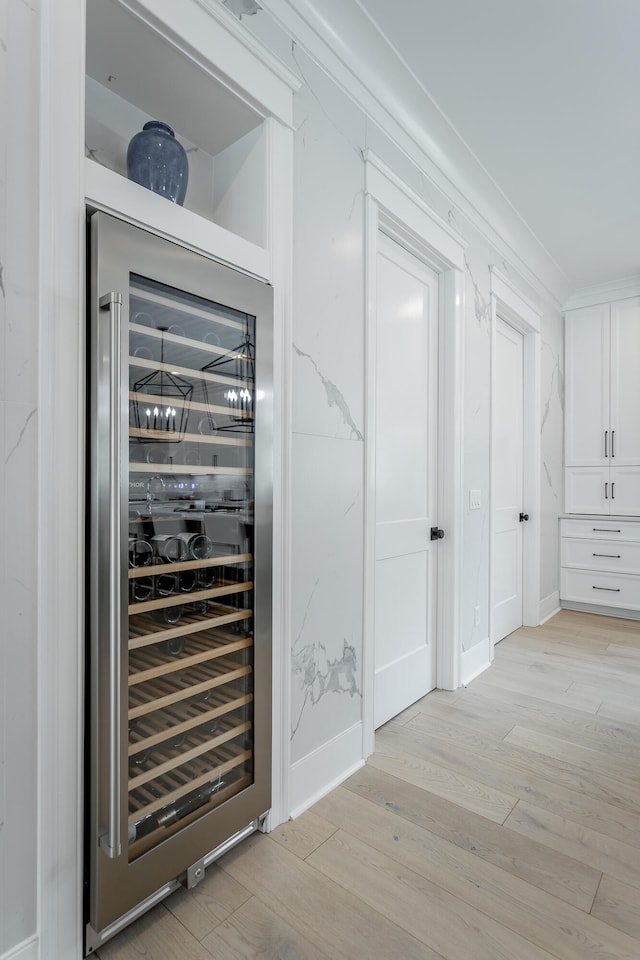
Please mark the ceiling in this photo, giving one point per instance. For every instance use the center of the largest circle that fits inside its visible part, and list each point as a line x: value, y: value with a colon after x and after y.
x: 545, y: 93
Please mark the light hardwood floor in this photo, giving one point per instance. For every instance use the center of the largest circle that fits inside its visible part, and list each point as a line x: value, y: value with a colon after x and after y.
x: 499, y: 822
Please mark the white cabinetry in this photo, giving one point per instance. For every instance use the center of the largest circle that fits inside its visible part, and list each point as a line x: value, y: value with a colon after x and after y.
x: 600, y: 550
x: 602, y: 414
x: 600, y: 565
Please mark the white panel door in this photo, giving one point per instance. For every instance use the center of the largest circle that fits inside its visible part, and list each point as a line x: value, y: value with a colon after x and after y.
x: 405, y: 479
x: 507, y: 480
x: 587, y: 441
x: 625, y: 383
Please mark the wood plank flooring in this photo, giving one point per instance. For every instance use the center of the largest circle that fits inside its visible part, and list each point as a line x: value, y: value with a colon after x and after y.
x: 499, y: 822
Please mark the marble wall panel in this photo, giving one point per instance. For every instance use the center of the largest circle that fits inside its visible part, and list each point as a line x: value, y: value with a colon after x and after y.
x: 18, y: 629
x: 552, y: 440
x: 19, y: 89
x: 327, y: 589
x: 328, y: 289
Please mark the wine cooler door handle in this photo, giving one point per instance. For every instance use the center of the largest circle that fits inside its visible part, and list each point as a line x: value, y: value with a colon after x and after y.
x: 110, y: 841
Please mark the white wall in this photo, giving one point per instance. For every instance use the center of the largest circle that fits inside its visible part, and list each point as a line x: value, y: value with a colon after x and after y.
x: 19, y: 77
x: 328, y: 391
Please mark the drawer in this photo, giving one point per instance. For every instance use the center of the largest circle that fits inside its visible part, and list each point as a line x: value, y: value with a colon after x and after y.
x: 620, y: 556
x: 605, y: 529
x: 607, y: 589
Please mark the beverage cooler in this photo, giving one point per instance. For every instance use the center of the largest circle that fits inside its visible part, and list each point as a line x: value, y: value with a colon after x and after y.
x: 178, y: 728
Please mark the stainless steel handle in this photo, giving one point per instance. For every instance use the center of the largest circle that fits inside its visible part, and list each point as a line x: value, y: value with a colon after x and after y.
x: 606, y: 491
x: 608, y: 589
x: 110, y: 841
x: 612, y: 556
x: 613, y: 443
x: 605, y: 530
x: 606, y: 445
x: 613, y: 490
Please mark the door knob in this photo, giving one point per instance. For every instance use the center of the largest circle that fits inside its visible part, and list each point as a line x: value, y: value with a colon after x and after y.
x: 437, y: 533
x: 523, y: 517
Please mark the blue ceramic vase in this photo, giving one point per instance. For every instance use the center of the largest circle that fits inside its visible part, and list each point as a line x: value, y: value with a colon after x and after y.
x: 157, y: 161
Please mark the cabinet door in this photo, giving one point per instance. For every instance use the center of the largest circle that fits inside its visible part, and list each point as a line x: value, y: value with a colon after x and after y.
x: 625, y: 383
x: 625, y: 491
x: 587, y: 490
x: 587, y: 387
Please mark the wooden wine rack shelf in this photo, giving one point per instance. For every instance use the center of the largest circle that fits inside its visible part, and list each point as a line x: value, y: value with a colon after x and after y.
x: 153, y: 569
x: 196, y: 745
x: 152, y: 399
x: 163, y: 691
x: 171, y: 787
x: 189, y: 309
x: 216, y: 439
x: 179, y: 599
x: 190, y: 373
x: 194, y: 469
x: 149, y: 663
x: 144, y: 630
x: 173, y: 721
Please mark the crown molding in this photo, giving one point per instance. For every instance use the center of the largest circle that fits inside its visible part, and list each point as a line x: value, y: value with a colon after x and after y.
x: 342, y: 40
x: 233, y: 25
x: 604, y: 293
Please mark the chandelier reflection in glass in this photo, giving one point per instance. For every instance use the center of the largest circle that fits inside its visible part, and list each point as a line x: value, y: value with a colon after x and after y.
x: 239, y: 365
x: 161, y: 403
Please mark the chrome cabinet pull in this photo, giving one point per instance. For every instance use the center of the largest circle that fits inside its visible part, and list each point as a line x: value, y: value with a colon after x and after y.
x: 110, y: 841
x: 606, y: 437
x: 613, y: 443
x: 604, y: 529
x: 606, y: 491
x: 613, y: 489
x: 608, y: 589
x: 612, y: 556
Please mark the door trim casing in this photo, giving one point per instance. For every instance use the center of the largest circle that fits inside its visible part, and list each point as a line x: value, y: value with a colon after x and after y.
x: 392, y: 208
x: 511, y: 306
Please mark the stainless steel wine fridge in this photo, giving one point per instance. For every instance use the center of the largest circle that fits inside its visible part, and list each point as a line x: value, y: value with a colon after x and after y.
x: 179, y: 547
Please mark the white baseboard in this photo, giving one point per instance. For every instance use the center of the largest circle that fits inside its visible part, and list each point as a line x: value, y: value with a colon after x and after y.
x: 549, y: 607
x: 475, y: 661
x: 326, y: 768
x: 27, y: 950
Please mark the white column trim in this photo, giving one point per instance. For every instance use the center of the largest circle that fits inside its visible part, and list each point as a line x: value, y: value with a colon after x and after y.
x: 511, y: 305
x: 391, y: 207
x: 280, y: 220
x: 61, y: 481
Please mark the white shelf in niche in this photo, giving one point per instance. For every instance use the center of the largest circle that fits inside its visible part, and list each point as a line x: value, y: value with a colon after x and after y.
x: 134, y: 74
x: 108, y: 191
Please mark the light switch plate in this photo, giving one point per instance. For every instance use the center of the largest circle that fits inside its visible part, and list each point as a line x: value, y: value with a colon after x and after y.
x: 474, y: 499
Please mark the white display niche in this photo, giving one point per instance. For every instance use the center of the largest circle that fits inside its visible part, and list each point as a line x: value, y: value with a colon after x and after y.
x: 138, y: 68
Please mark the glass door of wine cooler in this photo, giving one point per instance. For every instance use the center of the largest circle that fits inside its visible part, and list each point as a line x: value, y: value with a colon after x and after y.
x: 180, y: 544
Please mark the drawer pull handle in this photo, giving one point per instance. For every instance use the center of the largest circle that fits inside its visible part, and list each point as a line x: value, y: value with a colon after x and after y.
x: 609, y: 589
x: 613, y: 556
x: 605, y: 530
